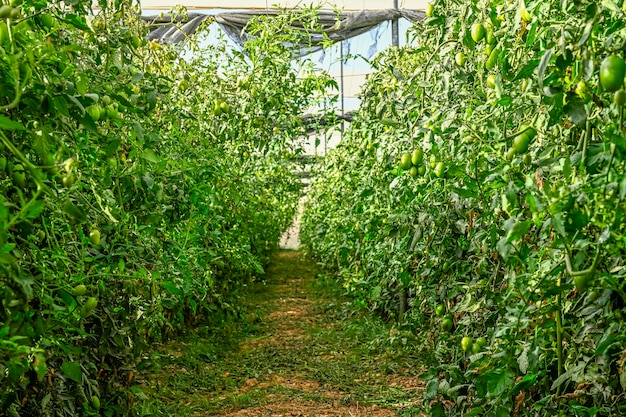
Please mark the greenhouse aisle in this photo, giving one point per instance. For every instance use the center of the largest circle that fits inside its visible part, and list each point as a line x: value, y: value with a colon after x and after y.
x: 299, y: 354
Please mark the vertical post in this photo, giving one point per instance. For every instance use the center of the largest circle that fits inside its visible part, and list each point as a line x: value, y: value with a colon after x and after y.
x: 395, y: 35
x: 341, y: 87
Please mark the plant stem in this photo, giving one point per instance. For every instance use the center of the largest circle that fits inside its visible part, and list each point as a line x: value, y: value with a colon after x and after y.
x: 559, y: 334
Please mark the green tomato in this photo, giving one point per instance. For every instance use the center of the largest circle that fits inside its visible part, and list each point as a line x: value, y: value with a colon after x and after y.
x: 413, y: 172
x: 46, y: 20
x: 491, y: 81
x: 481, y: 341
x: 405, y: 161
x: 94, y: 237
x: 417, y: 156
x: 68, y: 180
x: 510, y: 154
x: 612, y: 71
x: 440, y: 310
x: 439, y: 169
x: 619, y: 98
x: 79, y: 290
x: 460, y: 59
x: 95, y: 112
x: 477, y: 32
x: 91, y: 303
x: 466, y: 343
x: 447, y: 325
x: 19, y: 177
x: 6, y: 11
x: 582, y: 282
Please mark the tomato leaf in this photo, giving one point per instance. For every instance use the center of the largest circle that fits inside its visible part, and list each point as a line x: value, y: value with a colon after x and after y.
x: 575, y: 109
x: 72, y: 371
x: 431, y: 389
x: 8, y: 124
x: 150, y: 156
x: 586, y: 33
x: 525, y: 383
x: 543, y: 65
x: 518, y: 231
x: 527, y: 70
x: 76, y: 21
x: 498, y: 382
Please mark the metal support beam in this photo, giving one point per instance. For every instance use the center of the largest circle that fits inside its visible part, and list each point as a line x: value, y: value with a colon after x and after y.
x: 395, y: 37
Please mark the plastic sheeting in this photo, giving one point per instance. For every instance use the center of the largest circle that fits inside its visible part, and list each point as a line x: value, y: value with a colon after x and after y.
x: 333, y: 26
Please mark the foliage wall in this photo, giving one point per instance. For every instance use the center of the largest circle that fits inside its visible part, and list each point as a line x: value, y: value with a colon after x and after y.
x: 478, y: 197
x: 139, y: 192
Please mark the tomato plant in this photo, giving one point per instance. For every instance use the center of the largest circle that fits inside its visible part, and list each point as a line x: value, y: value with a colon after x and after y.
x: 518, y: 230
x: 128, y: 211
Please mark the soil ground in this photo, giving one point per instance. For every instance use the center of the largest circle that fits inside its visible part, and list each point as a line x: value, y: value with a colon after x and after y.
x: 298, y: 351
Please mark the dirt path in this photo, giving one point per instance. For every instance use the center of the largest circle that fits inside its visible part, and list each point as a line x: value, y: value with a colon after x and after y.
x: 303, y: 354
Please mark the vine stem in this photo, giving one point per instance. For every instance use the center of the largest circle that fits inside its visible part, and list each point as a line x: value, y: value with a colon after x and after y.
x: 559, y: 334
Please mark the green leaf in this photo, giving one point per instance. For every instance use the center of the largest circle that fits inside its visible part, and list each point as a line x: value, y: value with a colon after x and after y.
x: 518, y: 231
x: 150, y: 156
x: 72, y: 371
x: 541, y: 71
x: 431, y: 389
x: 575, y: 109
x: 526, y: 382
x: 76, y: 21
x: 35, y: 209
x: 465, y: 193
x: 498, y: 382
x: 8, y: 124
x: 172, y: 288
x: 557, y: 221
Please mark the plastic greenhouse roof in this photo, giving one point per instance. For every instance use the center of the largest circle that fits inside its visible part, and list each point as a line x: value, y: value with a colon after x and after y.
x: 269, y: 4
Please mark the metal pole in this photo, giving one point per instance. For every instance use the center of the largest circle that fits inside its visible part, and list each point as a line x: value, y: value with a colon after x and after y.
x: 341, y: 86
x: 395, y: 37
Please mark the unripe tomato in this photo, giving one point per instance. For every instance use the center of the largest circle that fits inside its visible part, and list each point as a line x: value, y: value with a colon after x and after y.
x: 439, y: 169
x: 440, y: 310
x: 477, y: 32
x: 5, y: 12
x: 582, y: 282
x: 460, y: 59
x: 447, y: 325
x: 68, y: 180
x: 466, y: 343
x: 581, y: 88
x: 612, y: 71
x: 91, y: 303
x: 481, y: 341
x: 94, y: 237
x: 79, y: 290
x: 520, y: 143
x: 417, y: 156
x: 619, y: 98
x: 405, y: 161
x: 491, y: 81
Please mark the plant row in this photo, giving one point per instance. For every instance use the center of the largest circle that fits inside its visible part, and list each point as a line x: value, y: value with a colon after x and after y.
x: 479, y: 197
x: 141, y: 187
